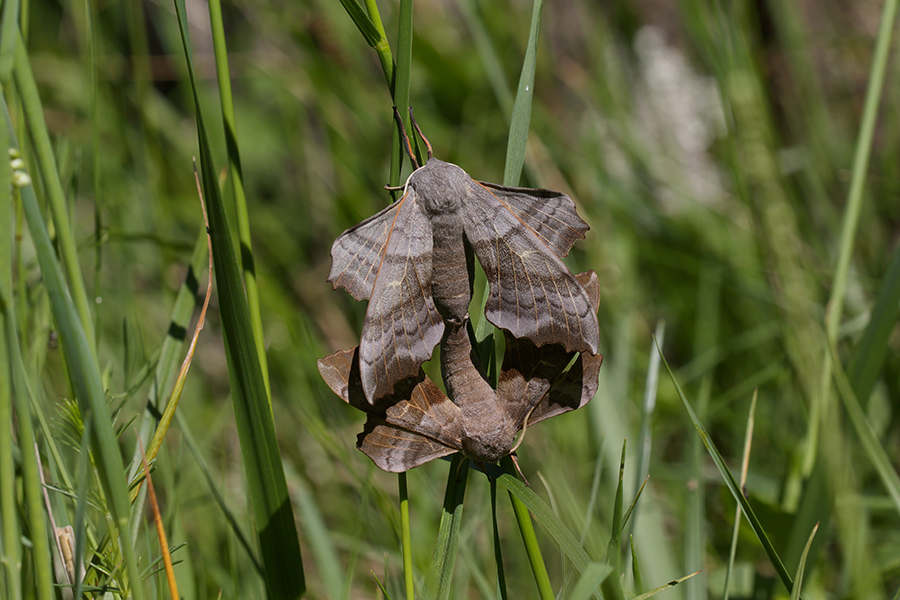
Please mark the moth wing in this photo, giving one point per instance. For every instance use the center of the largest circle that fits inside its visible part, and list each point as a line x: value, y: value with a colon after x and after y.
x: 402, y: 324
x: 532, y: 293
x: 415, y: 424
x: 550, y: 215
x: 396, y: 450
x: 357, y: 253
x: 537, y: 383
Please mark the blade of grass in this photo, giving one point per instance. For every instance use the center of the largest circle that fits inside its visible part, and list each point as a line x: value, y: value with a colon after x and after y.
x: 406, y: 538
x: 663, y: 588
x: 248, y: 265
x: 732, y: 485
x: 745, y: 464
x: 498, y: 550
x: 636, y: 570
x: 801, y: 568
x: 267, y: 488
x: 9, y: 24
x: 561, y: 534
x: 521, y: 112
x: 532, y: 548
x: 8, y: 509
x: 613, y: 556
x: 872, y: 446
x: 440, y: 573
x: 40, y: 137
x: 591, y: 579
x: 84, y: 375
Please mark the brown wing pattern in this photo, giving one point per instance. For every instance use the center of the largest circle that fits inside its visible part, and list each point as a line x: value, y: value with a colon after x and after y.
x: 550, y: 215
x: 396, y: 450
x: 532, y: 293
x: 542, y: 382
x: 356, y: 254
x: 416, y: 424
x: 402, y: 325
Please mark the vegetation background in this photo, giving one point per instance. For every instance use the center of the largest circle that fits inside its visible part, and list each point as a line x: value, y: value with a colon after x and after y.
x: 718, y: 152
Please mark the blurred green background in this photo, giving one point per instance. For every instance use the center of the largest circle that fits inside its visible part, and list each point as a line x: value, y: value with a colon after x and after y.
x: 710, y: 147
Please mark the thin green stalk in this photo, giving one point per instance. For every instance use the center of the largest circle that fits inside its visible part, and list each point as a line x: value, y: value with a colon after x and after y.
x: 31, y: 480
x: 498, y: 551
x: 84, y: 375
x: 37, y: 126
x: 406, y: 538
x: 248, y: 265
x: 532, y: 548
x: 401, y: 83
x: 858, y: 176
x: 10, y: 554
x: 96, y: 153
x: 382, y: 47
x: 521, y: 113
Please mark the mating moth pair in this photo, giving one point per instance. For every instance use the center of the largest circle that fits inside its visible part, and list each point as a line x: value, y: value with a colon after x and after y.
x: 413, y: 262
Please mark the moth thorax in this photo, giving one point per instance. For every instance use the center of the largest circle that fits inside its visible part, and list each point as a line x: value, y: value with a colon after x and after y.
x: 440, y: 186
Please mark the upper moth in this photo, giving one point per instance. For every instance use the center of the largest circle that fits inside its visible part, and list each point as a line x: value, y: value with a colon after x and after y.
x: 413, y: 261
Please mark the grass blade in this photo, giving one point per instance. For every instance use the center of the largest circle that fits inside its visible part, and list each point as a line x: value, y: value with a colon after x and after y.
x: 274, y: 515
x: 521, y: 113
x: 248, y: 268
x: 84, y: 374
x: 801, y: 568
x: 437, y: 580
x: 532, y: 548
x: 406, y: 538
x: 589, y: 582
x: 612, y: 549
x: 745, y: 464
x: 732, y: 485
x: 37, y: 126
x: 9, y: 25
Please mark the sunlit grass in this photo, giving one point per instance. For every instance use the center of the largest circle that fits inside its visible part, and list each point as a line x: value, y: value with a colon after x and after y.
x: 711, y: 149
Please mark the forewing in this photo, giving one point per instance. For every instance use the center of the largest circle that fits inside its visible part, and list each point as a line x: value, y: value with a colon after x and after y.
x: 402, y: 325
x: 532, y: 293
x: 550, y: 215
x: 356, y: 254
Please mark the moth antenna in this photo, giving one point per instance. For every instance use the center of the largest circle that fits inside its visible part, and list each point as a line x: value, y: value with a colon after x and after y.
x: 409, y: 150
x: 421, y: 135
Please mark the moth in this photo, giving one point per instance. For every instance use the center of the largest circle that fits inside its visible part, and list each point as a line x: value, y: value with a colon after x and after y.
x: 417, y: 422
x: 413, y: 261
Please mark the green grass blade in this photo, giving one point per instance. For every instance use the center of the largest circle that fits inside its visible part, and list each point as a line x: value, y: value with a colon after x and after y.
x: 400, y: 87
x: 532, y: 547
x: 860, y: 169
x: 37, y: 126
x: 561, y: 534
x: 613, y: 556
x: 502, y: 594
x: 9, y: 25
x: 406, y: 538
x: 636, y: 570
x: 732, y: 485
x: 872, y: 446
x: 745, y: 464
x: 248, y: 265
x: 267, y: 488
x: 589, y: 582
x: 663, y: 587
x: 801, y: 568
x: 869, y: 356
x: 521, y: 113
x: 362, y: 21
x: 9, y: 544
x: 440, y: 573
x: 84, y: 375
x: 31, y: 479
